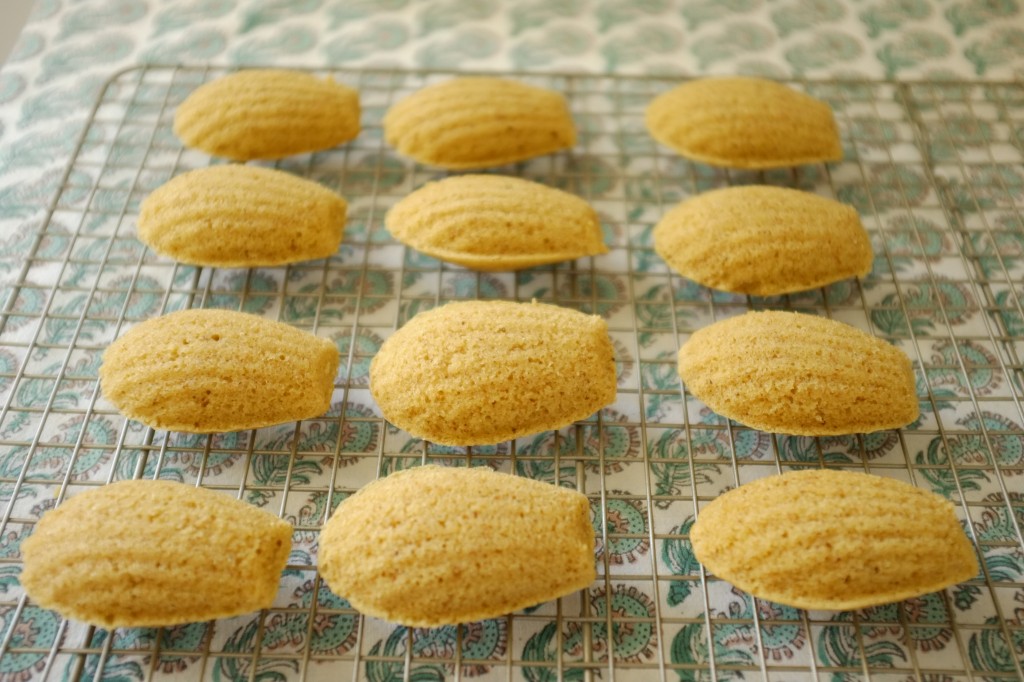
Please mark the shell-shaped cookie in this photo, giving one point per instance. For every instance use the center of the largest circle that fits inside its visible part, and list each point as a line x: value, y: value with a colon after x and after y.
x: 763, y: 240
x: 828, y: 539
x: 743, y: 122
x: 241, y: 216
x: 267, y: 114
x: 218, y: 370
x: 154, y: 553
x: 476, y: 122
x: 495, y: 222
x: 799, y: 374
x: 481, y: 372
x: 435, y: 546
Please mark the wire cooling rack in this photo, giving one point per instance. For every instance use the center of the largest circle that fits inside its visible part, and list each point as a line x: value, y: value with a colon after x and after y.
x: 935, y: 172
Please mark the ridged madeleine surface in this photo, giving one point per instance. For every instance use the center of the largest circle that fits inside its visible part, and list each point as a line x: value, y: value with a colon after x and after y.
x: 833, y: 540
x: 242, y: 216
x: 481, y: 372
x: 742, y: 122
x: 154, y: 553
x: 495, y: 222
x: 217, y: 370
x: 476, y: 122
x: 267, y: 114
x: 763, y: 240
x: 799, y: 374
x: 435, y: 546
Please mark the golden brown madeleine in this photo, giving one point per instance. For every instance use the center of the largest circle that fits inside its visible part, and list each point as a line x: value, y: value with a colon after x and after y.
x: 481, y: 372
x: 743, y: 122
x: 241, y: 216
x: 476, y: 122
x: 218, y: 370
x: 799, y: 374
x: 267, y: 114
x: 435, y: 546
x: 763, y: 240
x: 830, y: 539
x: 154, y: 553
x: 496, y: 222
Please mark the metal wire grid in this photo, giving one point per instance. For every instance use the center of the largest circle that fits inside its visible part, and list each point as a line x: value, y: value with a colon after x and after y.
x: 933, y: 169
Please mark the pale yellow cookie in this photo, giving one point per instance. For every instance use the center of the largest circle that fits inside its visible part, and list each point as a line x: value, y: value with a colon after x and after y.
x: 743, y: 122
x: 217, y: 370
x: 763, y: 240
x: 799, y: 374
x: 482, y: 372
x: 241, y: 216
x: 154, y: 553
x: 496, y: 222
x: 476, y: 122
x: 435, y: 546
x: 833, y: 540
x: 267, y: 114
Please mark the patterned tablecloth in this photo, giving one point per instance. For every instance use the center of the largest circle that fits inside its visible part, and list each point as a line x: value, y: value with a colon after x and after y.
x: 935, y: 171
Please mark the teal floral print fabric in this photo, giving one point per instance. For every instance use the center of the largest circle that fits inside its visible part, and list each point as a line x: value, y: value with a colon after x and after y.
x: 934, y: 162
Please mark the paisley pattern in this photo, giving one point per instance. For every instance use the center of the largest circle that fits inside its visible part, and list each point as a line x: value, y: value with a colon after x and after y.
x: 941, y: 191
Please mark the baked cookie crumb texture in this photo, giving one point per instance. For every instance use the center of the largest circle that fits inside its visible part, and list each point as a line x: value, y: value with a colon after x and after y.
x: 233, y: 216
x: 799, y: 374
x: 482, y: 372
x: 144, y: 553
x: 496, y: 222
x: 211, y: 370
x: 763, y: 241
x: 833, y: 540
x: 434, y: 546
x: 744, y: 122
x: 479, y: 122
x: 267, y: 114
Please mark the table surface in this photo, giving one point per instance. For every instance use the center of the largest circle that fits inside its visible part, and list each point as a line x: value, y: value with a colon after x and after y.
x: 935, y: 173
